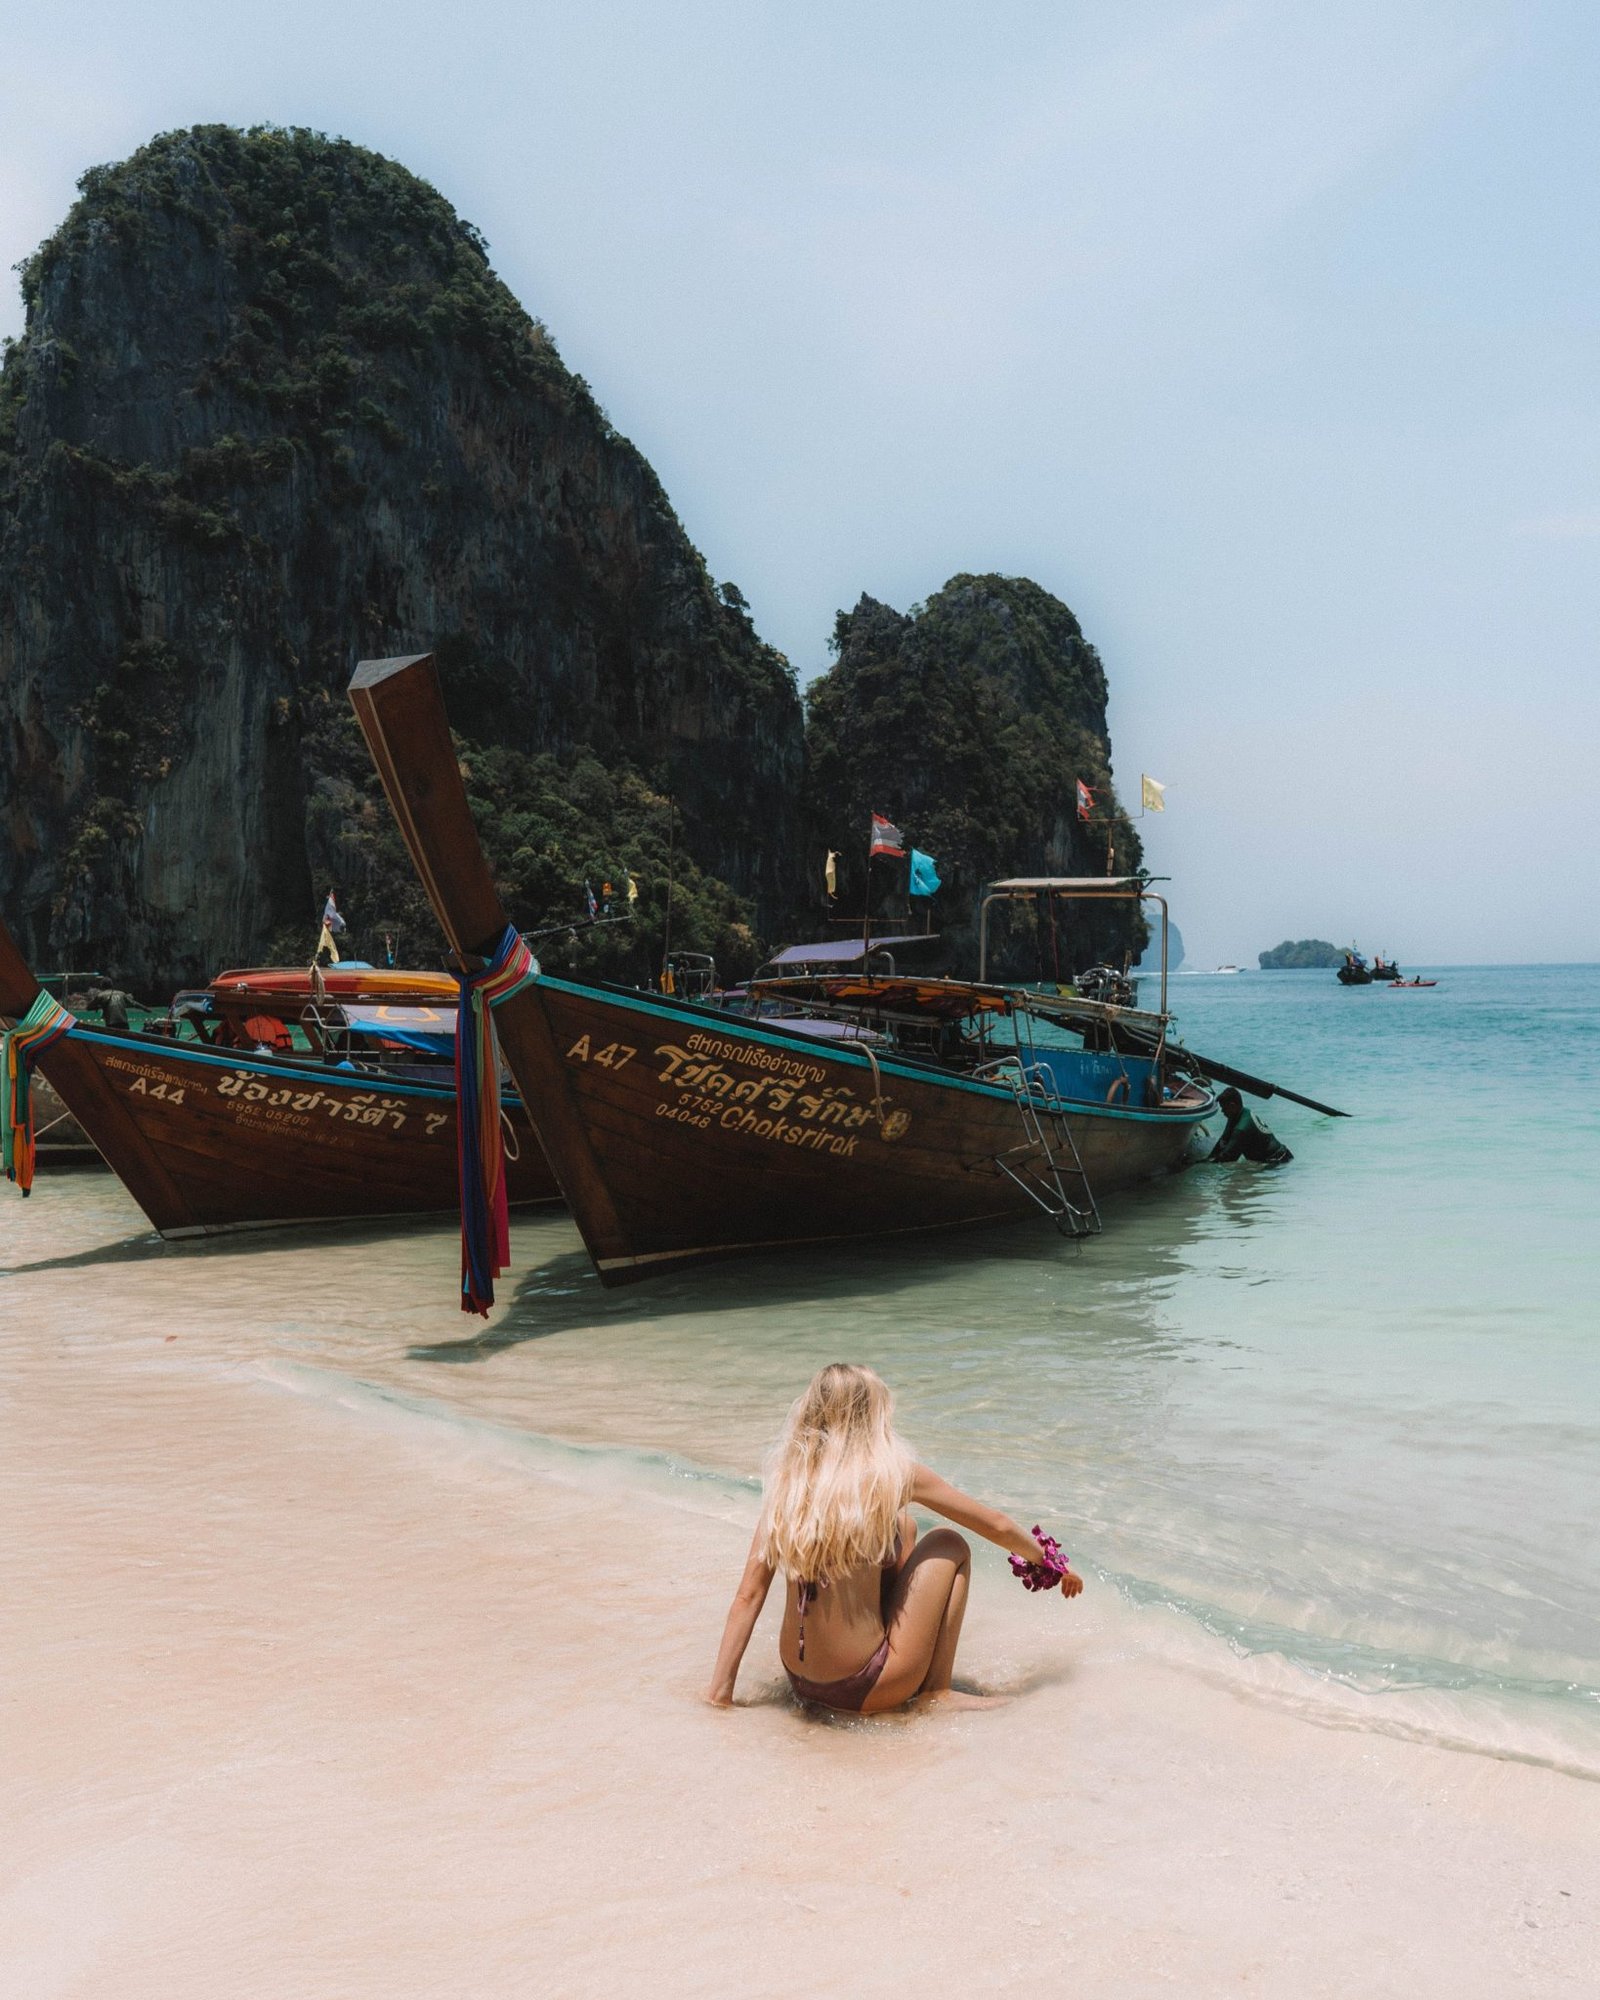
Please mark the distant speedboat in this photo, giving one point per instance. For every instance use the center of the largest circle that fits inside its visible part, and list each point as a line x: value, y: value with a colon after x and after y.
x: 1230, y: 968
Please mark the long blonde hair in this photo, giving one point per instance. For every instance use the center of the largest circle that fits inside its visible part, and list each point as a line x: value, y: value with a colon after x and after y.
x: 836, y: 1479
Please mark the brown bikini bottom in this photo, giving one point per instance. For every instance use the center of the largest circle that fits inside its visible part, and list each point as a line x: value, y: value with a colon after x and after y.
x: 848, y: 1694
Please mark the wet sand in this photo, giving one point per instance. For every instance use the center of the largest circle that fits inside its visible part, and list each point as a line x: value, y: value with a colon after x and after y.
x: 307, y: 1697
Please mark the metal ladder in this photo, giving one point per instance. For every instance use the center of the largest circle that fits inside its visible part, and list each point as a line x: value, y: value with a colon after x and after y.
x: 1037, y: 1170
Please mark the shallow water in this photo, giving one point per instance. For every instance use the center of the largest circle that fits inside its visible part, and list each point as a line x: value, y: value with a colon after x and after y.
x: 1332, y: 1430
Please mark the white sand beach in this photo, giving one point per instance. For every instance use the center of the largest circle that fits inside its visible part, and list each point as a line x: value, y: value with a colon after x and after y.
x: 304, y: 1696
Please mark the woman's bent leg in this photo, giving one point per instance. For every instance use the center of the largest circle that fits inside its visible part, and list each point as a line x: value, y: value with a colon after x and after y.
x: 943, y: 1663
x: 924, y: 1620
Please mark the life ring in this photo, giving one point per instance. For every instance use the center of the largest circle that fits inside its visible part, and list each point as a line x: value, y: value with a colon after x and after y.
x: 1118, y: 1093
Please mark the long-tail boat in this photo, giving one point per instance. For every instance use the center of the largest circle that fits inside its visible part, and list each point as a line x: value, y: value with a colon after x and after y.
x: 682, y: 1133
x: 238, y: 1132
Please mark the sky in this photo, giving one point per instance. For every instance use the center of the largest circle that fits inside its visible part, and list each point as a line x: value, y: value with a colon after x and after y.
x: 1265, y: 335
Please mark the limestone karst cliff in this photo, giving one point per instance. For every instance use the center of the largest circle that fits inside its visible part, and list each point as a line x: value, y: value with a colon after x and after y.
x: 273, y: 412
x: 969, y: 722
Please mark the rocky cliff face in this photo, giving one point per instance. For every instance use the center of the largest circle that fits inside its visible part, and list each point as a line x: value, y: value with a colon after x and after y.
x: 969, y: 722
x: 273, y: 413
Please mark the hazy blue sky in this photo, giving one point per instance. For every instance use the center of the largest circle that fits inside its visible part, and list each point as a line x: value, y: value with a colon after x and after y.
x: 1264, y: 334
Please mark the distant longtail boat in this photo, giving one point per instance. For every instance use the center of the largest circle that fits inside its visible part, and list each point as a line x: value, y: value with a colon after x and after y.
x: 683, y: 1133
x: 228, y: 1134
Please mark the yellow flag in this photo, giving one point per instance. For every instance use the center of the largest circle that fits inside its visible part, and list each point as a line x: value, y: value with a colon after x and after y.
x: 1152, y: 797
x: 829, y: 874
x: 633, y: 889
x: 326, y: 944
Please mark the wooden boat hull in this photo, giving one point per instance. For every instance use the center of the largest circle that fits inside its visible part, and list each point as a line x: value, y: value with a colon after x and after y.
x: 210, y: 1141
x: 680, y: 1135
x: 60, y: 1139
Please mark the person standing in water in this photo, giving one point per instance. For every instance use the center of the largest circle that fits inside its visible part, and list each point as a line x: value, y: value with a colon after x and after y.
x: 872, y: 1615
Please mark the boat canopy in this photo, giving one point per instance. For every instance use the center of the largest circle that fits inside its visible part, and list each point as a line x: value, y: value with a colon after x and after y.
x: 908, y: 997
x: 1080, y: 885
x: 933, y: 999
x: 844, y: 951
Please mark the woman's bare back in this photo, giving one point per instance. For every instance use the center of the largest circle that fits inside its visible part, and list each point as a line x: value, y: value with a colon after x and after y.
x: 844, y: 1620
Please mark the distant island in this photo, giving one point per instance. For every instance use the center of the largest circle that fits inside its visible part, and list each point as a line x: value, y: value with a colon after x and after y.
x: 1303, y: 953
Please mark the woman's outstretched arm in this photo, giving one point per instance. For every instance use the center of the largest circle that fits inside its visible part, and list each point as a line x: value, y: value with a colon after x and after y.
x: 742, y: 1615
x: 929, y: 1490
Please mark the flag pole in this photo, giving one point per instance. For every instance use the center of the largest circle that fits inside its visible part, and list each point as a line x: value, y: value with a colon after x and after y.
x: 666, y: 942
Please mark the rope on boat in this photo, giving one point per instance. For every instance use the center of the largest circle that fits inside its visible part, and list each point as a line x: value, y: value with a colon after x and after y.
x: 877, y: 1082
x: 480, y: 1144
x: 45, y: 1022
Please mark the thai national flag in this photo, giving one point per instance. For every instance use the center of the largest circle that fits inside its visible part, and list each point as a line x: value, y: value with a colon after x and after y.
x: 589, y: 901
x: 886, y: 838
x: 1085, y: 801
x: 331, y: 916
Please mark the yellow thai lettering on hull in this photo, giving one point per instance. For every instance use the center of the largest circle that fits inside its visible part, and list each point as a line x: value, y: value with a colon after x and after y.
x: 756, y: 1092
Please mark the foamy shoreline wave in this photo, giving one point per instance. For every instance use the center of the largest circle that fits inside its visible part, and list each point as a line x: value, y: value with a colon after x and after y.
x: 1342, y: 1685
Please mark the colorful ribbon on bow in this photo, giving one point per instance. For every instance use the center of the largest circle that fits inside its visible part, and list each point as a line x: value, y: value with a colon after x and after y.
x: 45, y: 1022
x: 480, y: 1146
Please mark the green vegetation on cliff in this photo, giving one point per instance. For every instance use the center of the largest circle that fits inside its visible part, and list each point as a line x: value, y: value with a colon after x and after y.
x: 552, y: 829
x: 1299, y: 955
x: 969, y: 722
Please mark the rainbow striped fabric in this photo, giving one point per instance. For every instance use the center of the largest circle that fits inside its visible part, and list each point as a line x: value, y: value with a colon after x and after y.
x: 46, y: 1021
x: 480, y: 1144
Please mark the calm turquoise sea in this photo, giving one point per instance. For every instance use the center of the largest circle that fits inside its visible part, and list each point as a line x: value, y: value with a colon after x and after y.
x: 1349, y: 1410
x: 1335, y: 1426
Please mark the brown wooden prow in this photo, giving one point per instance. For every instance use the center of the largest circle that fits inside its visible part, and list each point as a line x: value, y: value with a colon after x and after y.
x: 18, y: 987
x: 400, y: 707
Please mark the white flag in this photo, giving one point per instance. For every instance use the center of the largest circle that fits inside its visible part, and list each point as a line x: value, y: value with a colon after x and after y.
x: 1152, y: 797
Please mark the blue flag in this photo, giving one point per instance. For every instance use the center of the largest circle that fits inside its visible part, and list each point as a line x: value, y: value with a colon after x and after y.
x: 924, y: 874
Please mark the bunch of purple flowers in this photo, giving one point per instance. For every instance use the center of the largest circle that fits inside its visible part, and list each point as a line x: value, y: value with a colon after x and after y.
x: 1042, y: 1575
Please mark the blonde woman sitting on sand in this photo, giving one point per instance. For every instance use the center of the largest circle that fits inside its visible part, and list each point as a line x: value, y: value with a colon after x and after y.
x: 873, y: 1615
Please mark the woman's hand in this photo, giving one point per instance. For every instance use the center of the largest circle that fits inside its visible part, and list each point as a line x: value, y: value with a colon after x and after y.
x: 1071, y: 1584
x: 742, y: 1615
